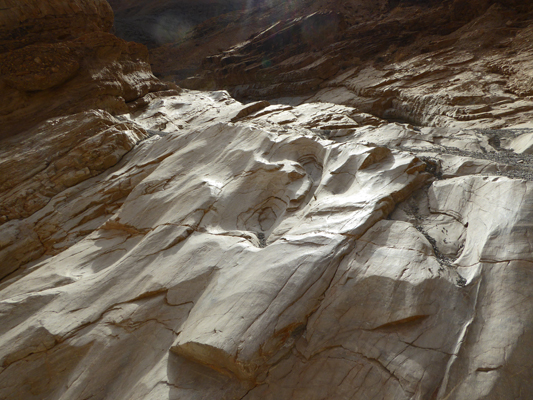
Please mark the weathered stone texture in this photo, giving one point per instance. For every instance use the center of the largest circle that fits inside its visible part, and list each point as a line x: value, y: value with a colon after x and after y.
x: 164, y: 243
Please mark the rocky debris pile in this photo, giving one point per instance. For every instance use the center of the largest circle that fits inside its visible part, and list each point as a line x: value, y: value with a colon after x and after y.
x: 177, y: 244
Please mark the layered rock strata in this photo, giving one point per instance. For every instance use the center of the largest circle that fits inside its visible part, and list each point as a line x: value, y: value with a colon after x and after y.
x: 56, y: 77
x: 23, y: 23
x: 437, y: 64
x: 299, y: 253
x: 185, y: 245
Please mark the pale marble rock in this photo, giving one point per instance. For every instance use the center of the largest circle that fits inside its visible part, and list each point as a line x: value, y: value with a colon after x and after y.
x: 386, y: 328
x: 193, y: 247
x: 39, y: 165
x: 522, y: 144
x: 494, y: 359
x: 185, y: 211
x: 236, y: 251
x: 454, y: 165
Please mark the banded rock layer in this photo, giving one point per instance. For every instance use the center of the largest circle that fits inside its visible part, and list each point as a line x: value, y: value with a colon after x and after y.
x: 266, y: 258
x: 436, y: 63
x: 185, y: 245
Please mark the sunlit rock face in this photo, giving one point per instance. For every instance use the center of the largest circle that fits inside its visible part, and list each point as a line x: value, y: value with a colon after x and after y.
x: 436, y: 63
x: 186, y: 245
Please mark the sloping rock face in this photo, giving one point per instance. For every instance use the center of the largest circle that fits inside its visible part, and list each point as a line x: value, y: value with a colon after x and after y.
x: 32, y: 21
x: 186, y: 245
x: 440, y: 63
x: 55, y: 77
x: 183, y: 58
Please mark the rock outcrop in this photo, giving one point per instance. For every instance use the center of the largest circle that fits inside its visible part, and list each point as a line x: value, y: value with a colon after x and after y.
x: 23, y: 23
x: 442, y: 63
x: 166, y: 243
x: 56, y: 77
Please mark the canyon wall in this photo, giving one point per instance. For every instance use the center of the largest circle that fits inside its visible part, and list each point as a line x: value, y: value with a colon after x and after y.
x: 367, y: 235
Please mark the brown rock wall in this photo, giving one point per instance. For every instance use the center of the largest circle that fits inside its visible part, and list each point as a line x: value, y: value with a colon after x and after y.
x: 96, y: 70
x: 24, y: 22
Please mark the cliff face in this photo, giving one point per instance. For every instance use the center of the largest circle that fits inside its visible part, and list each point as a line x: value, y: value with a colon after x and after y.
x: 58, y: 59
x: 439, y: 63
x: 167, y: 243
x: 155, y: 23
x: 32, y: 21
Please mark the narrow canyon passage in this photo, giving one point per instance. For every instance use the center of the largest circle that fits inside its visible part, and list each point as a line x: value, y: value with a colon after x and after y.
x: 335, y: 205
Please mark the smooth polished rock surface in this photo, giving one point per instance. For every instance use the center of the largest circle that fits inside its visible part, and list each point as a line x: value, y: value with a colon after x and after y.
x: 263, y: 258
x: 163, y: 243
